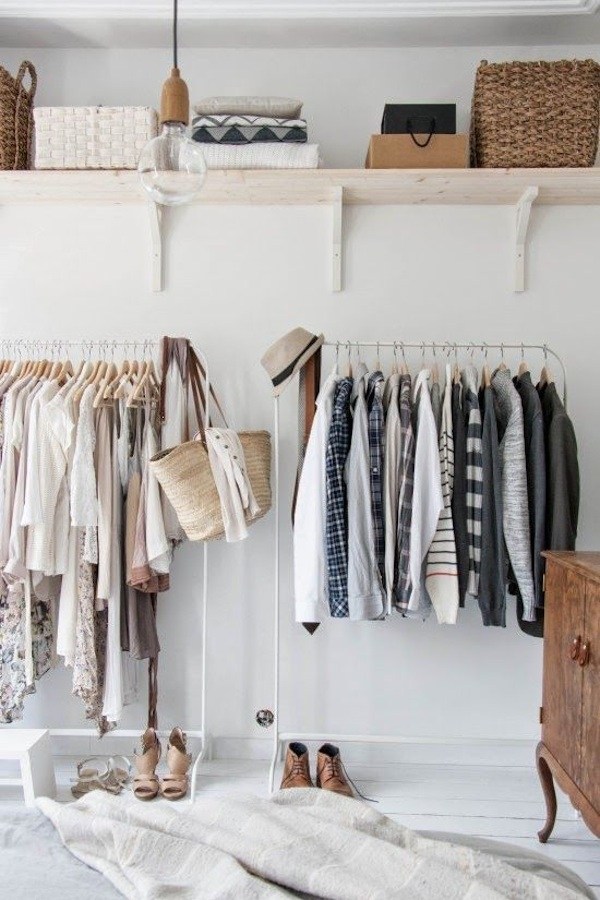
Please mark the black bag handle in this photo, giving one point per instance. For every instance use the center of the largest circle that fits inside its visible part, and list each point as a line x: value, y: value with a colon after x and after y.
x: 429, y: 136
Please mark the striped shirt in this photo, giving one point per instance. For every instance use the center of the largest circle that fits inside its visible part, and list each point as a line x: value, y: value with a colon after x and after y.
x: 376, y: 444
x: 442, y: 570
x: 474, y: 476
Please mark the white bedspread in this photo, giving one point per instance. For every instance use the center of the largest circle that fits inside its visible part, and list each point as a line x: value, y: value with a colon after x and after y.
x: 300, y: 843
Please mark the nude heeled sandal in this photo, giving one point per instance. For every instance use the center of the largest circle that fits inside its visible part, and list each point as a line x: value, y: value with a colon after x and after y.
x: 145, y: 782
x: 174, y: 786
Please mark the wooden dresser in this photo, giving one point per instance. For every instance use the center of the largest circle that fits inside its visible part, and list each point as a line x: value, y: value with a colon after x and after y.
x: 569, y: 750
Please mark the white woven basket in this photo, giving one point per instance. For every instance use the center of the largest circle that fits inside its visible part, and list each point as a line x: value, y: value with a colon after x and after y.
x: 92, y: 137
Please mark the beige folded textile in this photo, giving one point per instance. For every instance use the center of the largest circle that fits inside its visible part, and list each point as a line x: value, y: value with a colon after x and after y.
x: 281, y: 107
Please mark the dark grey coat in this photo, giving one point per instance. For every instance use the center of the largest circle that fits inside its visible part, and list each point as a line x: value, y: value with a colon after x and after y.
x: 459, y: 497
x: 494, y: 564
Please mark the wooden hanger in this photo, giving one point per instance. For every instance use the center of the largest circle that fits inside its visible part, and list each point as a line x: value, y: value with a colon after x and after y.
x: 65, y: 372
x: 116, y: 389
x: 79, y: 376
x: 546, y: 375
x: 523, y: 367
x: 110, y: 371
x: 96, y: 373
x: 146, y: 375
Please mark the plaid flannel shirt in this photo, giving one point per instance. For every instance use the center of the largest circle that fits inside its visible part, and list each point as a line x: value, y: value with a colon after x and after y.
x: 376, y: 444
x: 336, y: 523
x: 407, y: 467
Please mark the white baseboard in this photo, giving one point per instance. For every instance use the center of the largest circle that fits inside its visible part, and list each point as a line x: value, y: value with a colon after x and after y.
x: 425, y: 751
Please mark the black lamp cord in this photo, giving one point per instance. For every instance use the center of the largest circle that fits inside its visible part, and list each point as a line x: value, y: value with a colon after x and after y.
x: 174, y: 34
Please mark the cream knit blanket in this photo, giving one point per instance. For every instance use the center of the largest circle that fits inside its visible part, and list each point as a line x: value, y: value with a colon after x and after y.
x: 307, y: 843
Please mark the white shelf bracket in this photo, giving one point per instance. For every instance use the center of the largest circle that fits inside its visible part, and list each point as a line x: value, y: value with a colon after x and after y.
x: 156, y: 236
x: 522, y: 214
x: 337, y: 208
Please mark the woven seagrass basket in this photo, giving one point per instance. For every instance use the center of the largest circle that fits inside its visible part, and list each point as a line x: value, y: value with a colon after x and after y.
x: 535, y: 114
x: 16, y: 119
x: 186, y: 477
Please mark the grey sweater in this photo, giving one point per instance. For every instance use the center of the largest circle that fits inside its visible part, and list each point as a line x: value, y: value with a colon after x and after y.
x: 535, y: 461
x: 509, y: 413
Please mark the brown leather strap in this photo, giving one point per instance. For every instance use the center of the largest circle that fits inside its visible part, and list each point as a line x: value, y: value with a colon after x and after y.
x: 164, y: 366
x: 310, y: 381
x: 194, y: 377
x: 200, y: 378
x: 153, y: 682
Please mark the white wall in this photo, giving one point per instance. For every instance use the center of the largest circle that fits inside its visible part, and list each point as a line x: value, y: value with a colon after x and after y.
x: 236, y: 280
x: 343, y: 90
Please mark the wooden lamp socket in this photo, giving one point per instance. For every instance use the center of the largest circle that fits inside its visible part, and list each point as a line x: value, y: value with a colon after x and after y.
x: 175, y: 100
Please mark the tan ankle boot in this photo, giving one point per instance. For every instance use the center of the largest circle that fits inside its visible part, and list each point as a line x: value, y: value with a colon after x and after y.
x: 296, y: 772
x: 174, y: 786
x: 330, y: 771
x: 145, y: 782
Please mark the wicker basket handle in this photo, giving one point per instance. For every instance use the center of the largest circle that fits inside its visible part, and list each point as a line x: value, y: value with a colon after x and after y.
x: 25, y: 68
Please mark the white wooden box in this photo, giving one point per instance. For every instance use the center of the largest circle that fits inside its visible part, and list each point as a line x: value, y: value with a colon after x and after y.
x: 92, y: 137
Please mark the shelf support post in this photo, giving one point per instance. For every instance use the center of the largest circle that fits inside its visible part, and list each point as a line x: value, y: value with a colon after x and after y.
x: 337, y: 206
x: 522, y: 214
x: 156, y: 237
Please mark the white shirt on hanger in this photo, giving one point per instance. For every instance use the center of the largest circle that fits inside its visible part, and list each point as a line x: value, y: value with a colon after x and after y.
x: 428, y: 501
x: 158, y: 548
x: 84, y: 514
x: 310, y: 561
x: 442, y: 571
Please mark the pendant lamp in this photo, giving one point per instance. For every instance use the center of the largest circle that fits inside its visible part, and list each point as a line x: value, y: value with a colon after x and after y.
x: 171, y: 166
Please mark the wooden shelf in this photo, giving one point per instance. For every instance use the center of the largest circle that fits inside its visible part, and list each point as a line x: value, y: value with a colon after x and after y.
x: 319, y: 186
x: 519, y: 188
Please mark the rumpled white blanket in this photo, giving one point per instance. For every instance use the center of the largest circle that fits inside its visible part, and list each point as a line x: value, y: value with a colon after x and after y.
x: 308, y: 843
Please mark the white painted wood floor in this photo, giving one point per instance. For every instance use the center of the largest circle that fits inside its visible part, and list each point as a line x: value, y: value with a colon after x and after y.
x: 502, y: 802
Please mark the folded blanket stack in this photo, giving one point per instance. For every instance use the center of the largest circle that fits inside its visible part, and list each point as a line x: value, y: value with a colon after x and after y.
x: 253, y: 133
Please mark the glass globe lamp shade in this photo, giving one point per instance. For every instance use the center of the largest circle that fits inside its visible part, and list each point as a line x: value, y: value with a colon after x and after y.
x: 172, y: 168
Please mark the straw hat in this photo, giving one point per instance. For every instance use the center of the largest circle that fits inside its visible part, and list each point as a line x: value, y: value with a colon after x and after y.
x: 288, y: 355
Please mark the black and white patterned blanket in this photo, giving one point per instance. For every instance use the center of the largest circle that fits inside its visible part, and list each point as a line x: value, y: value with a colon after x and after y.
x: 236, y: 129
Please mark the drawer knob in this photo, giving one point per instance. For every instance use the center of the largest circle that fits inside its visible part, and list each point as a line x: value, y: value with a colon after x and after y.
x: 575, y: 648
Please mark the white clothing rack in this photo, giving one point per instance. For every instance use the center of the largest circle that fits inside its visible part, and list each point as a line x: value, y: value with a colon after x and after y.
x: 449, y: 349
x: 106, y: 348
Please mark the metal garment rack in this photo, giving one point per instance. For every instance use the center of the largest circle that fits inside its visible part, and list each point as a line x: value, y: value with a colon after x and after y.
x: 106, y: 349
x: 448, y: 350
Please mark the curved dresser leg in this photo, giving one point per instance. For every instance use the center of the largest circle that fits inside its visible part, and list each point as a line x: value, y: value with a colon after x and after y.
x: 547, y: 782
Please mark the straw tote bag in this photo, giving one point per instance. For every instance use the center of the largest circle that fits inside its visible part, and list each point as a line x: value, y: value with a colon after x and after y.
x: 186, y: 477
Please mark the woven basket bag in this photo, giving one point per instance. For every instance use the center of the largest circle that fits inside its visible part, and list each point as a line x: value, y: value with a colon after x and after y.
x: 535, y: 114
x: 185, y: 473
x: 16, y: 117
